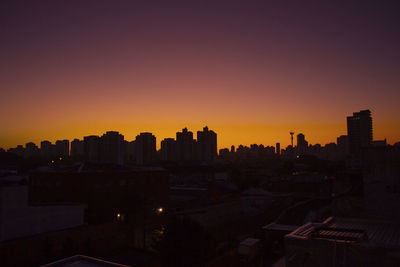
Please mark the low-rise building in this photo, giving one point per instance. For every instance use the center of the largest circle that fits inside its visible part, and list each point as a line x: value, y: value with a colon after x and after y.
x: 18, y: 219
x: 107, y: 190
x: 344, y: 242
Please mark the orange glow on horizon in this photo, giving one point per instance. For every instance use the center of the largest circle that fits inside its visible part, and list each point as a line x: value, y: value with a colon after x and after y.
x: 245, y: 134
x: 250, y: 72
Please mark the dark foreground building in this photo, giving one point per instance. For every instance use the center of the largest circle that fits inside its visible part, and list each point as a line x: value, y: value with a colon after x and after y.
x: 344, y: 242
x: 108, y: 193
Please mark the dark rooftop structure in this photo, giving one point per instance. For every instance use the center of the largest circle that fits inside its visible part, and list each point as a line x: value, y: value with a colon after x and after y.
x: 344, y: 242
x: 83, y: 261
x: 107, y: 190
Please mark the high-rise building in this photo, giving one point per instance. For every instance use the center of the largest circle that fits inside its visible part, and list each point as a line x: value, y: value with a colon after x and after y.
x: 62, y: 148
x: 206, y: 145
x: 47, y: 149
x: 112, y: 148
x: 185, y: 149
x: 359, y: 131
x: 31, y: 150
x: 91, y: 148
x: 145, y: 148
x: 130, y: 151
x: 278, y: 148
x: 77, y: 149
x: 168, y: 149
x: 343, y: 145
x: 302, y: 144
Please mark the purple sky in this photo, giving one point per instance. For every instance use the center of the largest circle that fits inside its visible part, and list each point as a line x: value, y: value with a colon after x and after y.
x: 69, y: 68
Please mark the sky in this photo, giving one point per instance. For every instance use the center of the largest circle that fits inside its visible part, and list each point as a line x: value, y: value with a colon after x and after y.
x: 252, y: 71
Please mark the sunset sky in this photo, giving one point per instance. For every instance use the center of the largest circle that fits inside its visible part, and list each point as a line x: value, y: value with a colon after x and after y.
x: 252, y: 71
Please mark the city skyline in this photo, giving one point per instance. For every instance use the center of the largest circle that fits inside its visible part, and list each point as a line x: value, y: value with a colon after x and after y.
x: 252, y: 71
x: 199, y: 133
x: 286, y: 141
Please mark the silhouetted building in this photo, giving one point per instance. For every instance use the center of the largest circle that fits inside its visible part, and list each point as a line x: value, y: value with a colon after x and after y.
x: 130, y: 151
x: 302, y: 144
x: 168, y: 149
x: 329, y: 152
x: 91, y: 148
x: 278, y: 148
x: 342, y: 145
x: 112, y: 148
x: 145, y: 148
x: 19, y: 150
x: 185, y: 145
x: 31, y: 150
x: 379, y: 143
x: 206, y: 145
x: 107, y: 192
x: 233, y: 149
x: 77, y: 148
x: 381, y: 182
x: 289, y: 152
x: 359, y: 131
x: 47, y: 149
x: 62, y: 148
x: 343, y: 242
x: 224, y: 153
x: 19, y: 219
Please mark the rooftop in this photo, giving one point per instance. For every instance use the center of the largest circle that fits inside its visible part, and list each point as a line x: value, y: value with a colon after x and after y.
x: 249, y: 242
x: 297, y: 214
x: 367, y: 232
x: 82, y: 261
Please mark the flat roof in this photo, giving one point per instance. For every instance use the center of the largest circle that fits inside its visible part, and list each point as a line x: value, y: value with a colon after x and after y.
x: 377, y: 233
x: 83, y: 261
x: 188, y: 188
x: 248, y: 242
x: 280, y: 227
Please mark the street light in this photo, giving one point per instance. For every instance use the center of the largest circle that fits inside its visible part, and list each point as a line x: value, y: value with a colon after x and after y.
x: 160, y: 210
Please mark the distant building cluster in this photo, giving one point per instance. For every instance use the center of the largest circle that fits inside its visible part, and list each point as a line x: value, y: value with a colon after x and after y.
x: 246, y: 152
x: 187, y: 149
x: 359, y: 136
x: 347, y: 147
x: 94, y: 199
x: 112, y: 148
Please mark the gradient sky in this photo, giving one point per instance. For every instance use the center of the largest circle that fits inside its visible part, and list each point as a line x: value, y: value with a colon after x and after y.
x: 250, y: 70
